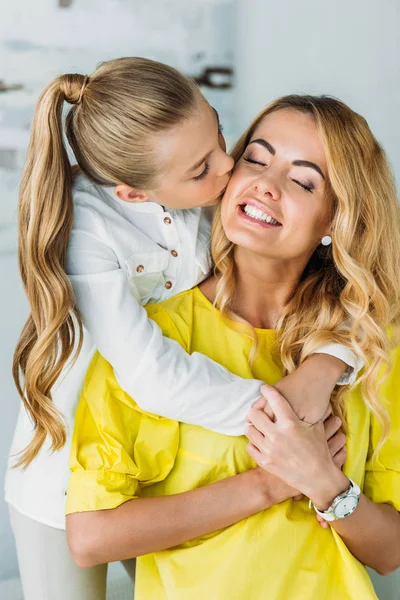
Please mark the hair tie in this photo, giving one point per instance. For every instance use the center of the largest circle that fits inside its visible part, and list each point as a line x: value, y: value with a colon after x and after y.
x: 84, y: 84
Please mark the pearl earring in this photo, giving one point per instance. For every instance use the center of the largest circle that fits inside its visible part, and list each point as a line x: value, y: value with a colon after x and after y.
x: 326, y: 240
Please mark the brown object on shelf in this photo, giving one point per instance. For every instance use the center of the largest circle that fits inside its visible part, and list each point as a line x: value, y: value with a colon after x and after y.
x: 216, y: 77
x: 10, y: 88
x: 64, y: 3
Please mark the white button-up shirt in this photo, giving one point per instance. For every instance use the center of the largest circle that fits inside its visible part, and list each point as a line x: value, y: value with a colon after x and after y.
x: 121, y: 256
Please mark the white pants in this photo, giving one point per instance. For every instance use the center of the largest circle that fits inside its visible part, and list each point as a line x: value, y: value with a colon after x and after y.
x: 47, y: 569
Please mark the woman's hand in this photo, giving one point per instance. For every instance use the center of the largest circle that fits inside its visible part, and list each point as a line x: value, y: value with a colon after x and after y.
x: 300, y: 454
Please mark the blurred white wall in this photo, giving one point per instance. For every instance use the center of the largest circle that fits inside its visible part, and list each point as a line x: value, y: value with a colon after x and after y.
x: 346, y: 48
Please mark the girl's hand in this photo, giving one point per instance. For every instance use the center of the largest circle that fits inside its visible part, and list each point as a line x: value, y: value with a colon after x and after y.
x: 297, y: 452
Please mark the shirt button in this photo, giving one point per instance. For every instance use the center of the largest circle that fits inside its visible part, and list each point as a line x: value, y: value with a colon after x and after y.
x: 168, y: 285
x: 174, y: 253
x: 140, y: 268
x: 167, y: 221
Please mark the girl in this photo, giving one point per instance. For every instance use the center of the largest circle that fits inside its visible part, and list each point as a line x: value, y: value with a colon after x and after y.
x: 132, y: 227
x: 178, y: 495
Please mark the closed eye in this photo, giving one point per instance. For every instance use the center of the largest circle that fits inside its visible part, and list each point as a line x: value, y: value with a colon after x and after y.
x: 203, y: 174
x: 307, y: 188
x: 254, y: 162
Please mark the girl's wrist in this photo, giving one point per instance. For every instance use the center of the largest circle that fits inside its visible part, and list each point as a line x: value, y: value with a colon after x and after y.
x: 329, y: 367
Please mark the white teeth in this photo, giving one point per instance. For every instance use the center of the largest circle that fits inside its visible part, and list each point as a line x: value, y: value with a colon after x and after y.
x: 258, y: 214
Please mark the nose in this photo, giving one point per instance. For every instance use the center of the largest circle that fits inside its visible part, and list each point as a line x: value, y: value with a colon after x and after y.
x: 226, y: 164
x: 266, y: 188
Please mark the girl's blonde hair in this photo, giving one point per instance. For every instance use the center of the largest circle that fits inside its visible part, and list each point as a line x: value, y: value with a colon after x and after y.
x: 356, y: 281
x: 112, y: 129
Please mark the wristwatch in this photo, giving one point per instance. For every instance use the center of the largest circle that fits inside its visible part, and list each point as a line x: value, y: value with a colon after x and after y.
x: 343, y: 505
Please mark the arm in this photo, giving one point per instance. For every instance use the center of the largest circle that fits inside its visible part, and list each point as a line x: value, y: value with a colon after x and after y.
x: 308, y: 389
x: 298, y: 453
x: 145, y: 525
x: 371, y: 533
x: 155, y: 370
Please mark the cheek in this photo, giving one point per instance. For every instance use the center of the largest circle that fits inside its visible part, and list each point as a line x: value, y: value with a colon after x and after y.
x: 224, y: 210
x: 237, y: 184
x: 306, y: 230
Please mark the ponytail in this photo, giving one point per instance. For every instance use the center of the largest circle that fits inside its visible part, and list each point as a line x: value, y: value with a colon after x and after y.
x: 50, y: 336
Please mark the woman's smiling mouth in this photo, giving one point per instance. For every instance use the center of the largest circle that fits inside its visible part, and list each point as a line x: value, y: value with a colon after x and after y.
x: 257, y: 214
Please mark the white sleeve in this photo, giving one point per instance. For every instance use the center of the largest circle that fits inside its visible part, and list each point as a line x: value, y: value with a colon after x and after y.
x: 348, y: 357
x: 156, y: 371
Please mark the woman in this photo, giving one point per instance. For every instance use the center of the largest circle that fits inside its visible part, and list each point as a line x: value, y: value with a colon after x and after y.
x: 132, y: 228
x: 176, y: 494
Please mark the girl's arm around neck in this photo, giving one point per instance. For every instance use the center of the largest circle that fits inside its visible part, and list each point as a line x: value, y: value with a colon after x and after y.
x: 144, y: 525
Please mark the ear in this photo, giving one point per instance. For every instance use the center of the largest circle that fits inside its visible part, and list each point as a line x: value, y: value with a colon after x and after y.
x: 130, y: 194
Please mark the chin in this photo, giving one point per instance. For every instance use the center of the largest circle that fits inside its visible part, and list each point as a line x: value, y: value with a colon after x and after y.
x: 248, y: 242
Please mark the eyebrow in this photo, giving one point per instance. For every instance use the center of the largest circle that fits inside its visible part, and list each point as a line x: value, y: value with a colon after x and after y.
x: 296, y: 163
x: 200, y: 162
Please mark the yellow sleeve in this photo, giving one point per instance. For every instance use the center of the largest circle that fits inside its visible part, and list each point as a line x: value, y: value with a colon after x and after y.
x: 117, y: 448
x: 382, y: 477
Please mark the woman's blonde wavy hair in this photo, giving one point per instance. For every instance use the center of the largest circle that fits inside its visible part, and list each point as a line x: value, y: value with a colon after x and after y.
x: 112, y: 129
x: 356, y: 281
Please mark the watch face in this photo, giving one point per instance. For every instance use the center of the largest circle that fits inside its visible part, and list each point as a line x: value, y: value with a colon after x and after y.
x: 345, y: 507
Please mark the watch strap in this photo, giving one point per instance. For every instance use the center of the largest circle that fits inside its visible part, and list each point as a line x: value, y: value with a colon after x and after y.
x: 329, y: 513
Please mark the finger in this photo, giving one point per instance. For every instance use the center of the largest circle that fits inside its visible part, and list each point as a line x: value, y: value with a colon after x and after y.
x: 322, y: 521
x: 268, y: 411
x: 331, y: 425
x: 336, y: 443
x: 260, y: 420
x: 259, y: 403
x: 278, y: 404
x: 298, y: 497
x: 265, y: 407
x: 255, y: 437
x: 255, y: 454
x: 340, y: 458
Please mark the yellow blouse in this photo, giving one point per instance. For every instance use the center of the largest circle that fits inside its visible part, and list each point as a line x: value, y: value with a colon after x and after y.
x: 121, y: 452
